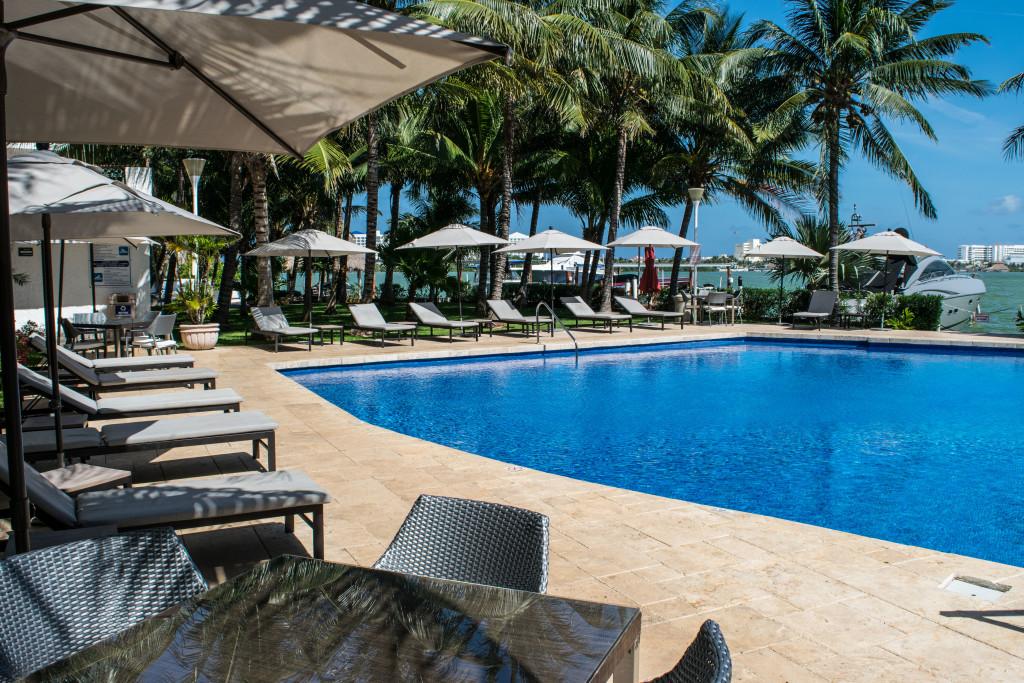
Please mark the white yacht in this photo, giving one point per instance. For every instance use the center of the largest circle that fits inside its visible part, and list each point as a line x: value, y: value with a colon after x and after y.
x: 961, y: 293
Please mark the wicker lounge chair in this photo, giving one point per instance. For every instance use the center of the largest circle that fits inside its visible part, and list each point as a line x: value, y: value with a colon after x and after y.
x: 707, y: 659
x: 367, y: 317
x: 182, y: 504
x: 129, y: 363
x: 474, y: 541
x: 509, y: 315
x: 581, y: 311
x: 428, y: 315
x: 820, y: 308
x: 143, y: 405
x: 62, y: 599
x: 637, y: 310
x: 131, y: 380
x: 144, y: 435
x: 270, y: 322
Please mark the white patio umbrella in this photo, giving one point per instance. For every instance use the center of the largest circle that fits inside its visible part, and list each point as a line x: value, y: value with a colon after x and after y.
x: 886, y: 243
x: 272, y: 76
x: 456, y: 236
x: 783, y: 247
x: 650, y: 236
x: 551, y: 242
x: 52, y: 197
x: 309, y: 244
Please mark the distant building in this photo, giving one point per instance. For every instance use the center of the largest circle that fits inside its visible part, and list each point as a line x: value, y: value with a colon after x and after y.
x: 517, y: 237
x: 990, y: 253
x: 741, y: 251
x: 360, y: 238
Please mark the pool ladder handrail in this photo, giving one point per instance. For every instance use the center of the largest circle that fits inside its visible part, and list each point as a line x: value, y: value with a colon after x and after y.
x: 556, y: 319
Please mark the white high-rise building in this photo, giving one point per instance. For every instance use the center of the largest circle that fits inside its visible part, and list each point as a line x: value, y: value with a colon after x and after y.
x: 990, y: 253
x: 359, y: 238
x: 741, y: 250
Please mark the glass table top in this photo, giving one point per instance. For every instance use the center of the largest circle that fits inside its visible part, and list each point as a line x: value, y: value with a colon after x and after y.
x: 302, y: 619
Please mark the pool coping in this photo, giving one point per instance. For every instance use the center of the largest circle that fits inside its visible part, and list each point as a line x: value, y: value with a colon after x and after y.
x: 410, y: 355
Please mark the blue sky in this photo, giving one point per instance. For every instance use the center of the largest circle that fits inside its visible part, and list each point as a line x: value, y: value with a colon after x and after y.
x: 979, y: 196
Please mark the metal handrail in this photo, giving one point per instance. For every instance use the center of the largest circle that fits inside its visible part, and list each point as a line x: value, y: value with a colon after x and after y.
x: 558, y: 320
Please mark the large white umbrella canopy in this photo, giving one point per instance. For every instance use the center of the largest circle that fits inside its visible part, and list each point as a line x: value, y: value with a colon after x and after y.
x: 888, y: 242
x: 52, y: 198
x: 551, y: 242
x: 312, y: 243
x: 84, y: 204
x: 784, y: 248
x: 456, y: 236
x: 267, y: 76
x: 652, y: 236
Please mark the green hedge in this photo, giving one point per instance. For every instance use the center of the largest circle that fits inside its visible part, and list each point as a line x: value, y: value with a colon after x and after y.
x: 920, y: 311
x: 924, y: 309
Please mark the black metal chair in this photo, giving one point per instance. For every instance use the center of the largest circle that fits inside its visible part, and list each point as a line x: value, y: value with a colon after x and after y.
x: 471, y: 541
x: 707, y: 659
x: 59, y: 600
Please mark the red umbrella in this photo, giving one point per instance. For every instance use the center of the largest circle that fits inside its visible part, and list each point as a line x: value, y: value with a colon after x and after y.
x: 649, y: 281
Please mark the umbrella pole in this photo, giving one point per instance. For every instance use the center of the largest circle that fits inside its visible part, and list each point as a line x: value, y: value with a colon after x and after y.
x: 60, y: 287
x: 51, y: 339
x: 458, y: 274
x: 637, y: 292
x: 885, y: 278
x: 551, y: 281
x: 782, y: 280
x: 9, y: 346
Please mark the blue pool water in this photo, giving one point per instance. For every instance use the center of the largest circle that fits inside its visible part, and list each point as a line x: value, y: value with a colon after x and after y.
x: 918, y: 447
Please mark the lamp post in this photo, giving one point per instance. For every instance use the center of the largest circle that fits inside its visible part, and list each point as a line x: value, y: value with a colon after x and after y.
x: 696, y: 194
x: 194, y: 171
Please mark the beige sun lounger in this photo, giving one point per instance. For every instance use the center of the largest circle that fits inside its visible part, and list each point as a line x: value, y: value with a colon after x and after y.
x: 128, y: 437
x: 164, y: 378
x: 820, y: 308
x: 509, y: 315
x: 182, y: 505
x: 430, y: 317
x: 637, y: 310
x: 143, y: 405
x: 270, y: 322
x: 581, y: 311
x: 368, y: 318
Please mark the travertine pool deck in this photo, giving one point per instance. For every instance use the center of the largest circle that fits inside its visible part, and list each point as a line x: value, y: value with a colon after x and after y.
x: 796, y: 602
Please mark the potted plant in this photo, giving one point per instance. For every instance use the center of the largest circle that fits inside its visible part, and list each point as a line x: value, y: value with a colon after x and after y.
x: 196, y: 297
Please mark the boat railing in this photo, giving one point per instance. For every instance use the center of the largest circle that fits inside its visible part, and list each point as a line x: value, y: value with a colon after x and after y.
x: 555, y: 319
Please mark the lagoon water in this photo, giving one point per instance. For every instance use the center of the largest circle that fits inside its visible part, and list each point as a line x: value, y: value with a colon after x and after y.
x: 923, y: 448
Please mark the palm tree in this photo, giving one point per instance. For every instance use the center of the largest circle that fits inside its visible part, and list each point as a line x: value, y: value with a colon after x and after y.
x: 372, y: 186
x: 259, y: 167
x: 856, y: 64
x: 236, y: 166
x: 814, y: 233
x: 1013, y: 146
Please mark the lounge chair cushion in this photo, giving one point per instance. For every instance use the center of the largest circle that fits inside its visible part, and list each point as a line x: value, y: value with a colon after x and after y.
x: 291, y: 331
x: 507, y: 313
x: 192, y: 427
x: 69, y: 397
x: 638, y: 310
x: 47, y: 497
x: 368, y: 317
x: 808, y: 314
x: 176, y: 400
x: 177, y: 360
x: 428, y: 314
x: 169, y: 375
x: 200, y: 499
x: 580, y: 309
x: 80, y: 477
x: 74, y: 439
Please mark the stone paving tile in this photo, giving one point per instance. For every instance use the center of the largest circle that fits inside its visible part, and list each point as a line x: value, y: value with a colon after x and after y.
x: 795, y: 602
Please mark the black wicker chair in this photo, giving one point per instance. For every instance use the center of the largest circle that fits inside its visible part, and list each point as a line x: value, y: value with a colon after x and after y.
x: 705, y: 661
x: 59, y: 600
x: 472, y: 541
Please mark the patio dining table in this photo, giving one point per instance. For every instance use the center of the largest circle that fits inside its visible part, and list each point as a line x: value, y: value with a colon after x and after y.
x: 302, y: 619
x: 117, y: 325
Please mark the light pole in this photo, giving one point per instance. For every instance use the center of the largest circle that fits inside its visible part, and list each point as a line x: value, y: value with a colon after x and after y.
x: 696, y: 194
x: 194, y: 171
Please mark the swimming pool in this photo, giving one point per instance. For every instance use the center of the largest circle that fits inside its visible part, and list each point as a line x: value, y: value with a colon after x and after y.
x: 923, y: 447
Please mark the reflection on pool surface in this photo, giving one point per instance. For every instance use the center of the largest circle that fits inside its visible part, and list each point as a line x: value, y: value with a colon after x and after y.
x: 913, y: 446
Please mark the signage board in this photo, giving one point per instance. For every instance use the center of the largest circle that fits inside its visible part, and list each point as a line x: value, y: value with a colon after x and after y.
x: 111, y: 265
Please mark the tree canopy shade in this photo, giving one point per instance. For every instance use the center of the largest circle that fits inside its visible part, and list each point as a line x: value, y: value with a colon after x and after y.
x: 854, y: 66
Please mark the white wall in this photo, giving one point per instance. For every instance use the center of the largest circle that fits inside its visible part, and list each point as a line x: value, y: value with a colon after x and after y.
x: 28, y: 300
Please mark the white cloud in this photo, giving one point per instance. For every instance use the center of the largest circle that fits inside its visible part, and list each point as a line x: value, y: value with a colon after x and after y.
x: 956, y: 113
x: 1003, y: 206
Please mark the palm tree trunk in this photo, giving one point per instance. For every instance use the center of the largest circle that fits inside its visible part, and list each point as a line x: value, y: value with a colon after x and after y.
x: 307, y: 297
x: 172, y: 270
x: 485, y: 261
x: 505, y: 217
x: 528, y: 261
x: 677, y: 260
x: 227, y: 280
x: 372, y: 141
x: 613, y: 220
x: 833, y: 207
x: 259, y: 165
x: 161, y: 268
x: 388, y: 293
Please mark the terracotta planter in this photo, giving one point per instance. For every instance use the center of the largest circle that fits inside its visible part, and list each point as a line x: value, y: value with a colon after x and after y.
x: 200, y: 337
